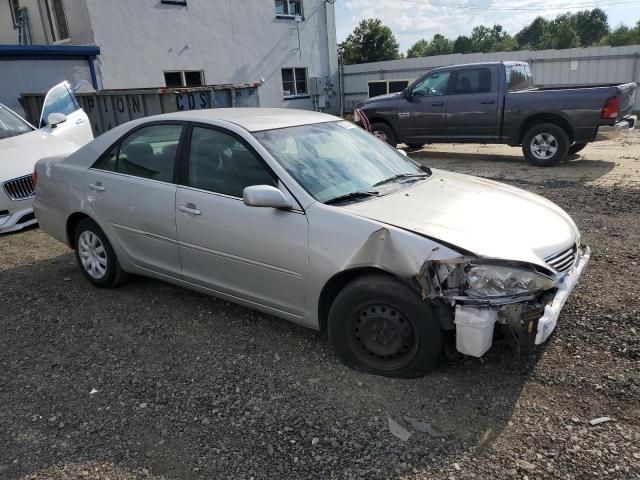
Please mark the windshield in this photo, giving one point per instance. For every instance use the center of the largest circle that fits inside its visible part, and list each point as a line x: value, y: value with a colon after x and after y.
x: 519, y: 78
x: 339, y: 160
x: 11, y: 124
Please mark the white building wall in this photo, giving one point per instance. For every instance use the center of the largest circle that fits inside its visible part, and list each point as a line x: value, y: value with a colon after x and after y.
x: 233, y: 41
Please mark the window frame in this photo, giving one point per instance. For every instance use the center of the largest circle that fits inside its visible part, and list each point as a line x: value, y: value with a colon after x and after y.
x: 183, y: 175
x: 14, y: 7
x: 53, y: 24
x: 291, y: 16
x: 122, y: 138
x: 183, y: 78
x: 453, y: 80
x: 427, y: 75
x: 295, y: 83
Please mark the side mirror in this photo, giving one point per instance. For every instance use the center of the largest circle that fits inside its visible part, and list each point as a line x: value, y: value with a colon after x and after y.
x: 265, y: 196
x: 402, y: 152
x: 406, y: 93
x: 55, y: 119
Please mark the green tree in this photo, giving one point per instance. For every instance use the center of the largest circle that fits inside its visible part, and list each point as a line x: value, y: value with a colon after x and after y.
x: 440, y: 45
x: 463, y: 44
x: 370, y: 41
x: 484, y: 39
x: 530, y: 36
x: 591, y: 26
x: 419, y: 49
x: 560, y: 33
x: 623, y: 35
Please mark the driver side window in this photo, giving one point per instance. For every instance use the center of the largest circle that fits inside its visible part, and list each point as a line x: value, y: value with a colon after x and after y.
x: 433, y: 85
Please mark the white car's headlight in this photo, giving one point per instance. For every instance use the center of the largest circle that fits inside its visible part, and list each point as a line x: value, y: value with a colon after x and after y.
x: 501, y: 281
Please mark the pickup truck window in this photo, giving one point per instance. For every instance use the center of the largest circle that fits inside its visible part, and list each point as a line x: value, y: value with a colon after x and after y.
x: 519, y: 78
x: 433, y: 85
x: 472, y: 80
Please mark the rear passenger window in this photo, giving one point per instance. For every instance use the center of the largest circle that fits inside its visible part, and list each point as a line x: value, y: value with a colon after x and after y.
x: 476, y: 80
x: 221, y: 164
x: 147, y: 153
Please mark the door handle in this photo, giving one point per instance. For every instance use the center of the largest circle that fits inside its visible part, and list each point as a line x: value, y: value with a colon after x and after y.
x: 488, y: 102
x: 438, y: 104
x: 97, y: 187
x: 79, y: 121
x: 189, y: 208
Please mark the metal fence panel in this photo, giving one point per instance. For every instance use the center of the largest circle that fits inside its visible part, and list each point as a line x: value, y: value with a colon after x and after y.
x: 574, y: 66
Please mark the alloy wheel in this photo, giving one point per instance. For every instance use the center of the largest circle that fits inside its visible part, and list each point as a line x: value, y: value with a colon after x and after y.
x: 544, y: 146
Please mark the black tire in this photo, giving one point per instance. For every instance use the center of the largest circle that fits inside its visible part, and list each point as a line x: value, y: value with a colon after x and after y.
x: 576, y: 147
x: 102, y: 254
x: 385, y: 133
x: 415, y: 146
x: 558, y: 144
x: 402, y: 337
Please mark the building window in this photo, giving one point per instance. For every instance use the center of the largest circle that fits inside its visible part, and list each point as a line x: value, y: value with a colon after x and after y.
x: 57, y: 20
x: 188, y: 78
x: 289, y: 8
x: 294, y: 82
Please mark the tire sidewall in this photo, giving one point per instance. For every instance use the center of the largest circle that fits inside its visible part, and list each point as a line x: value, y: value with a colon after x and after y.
x: 577, y: 147
x: 388, y: 131
x: 383, y: 289
x: 561, y: 137
x: 110, y: 277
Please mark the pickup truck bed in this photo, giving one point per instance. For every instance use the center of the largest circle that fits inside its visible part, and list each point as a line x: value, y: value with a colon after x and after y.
x: 497, y: 103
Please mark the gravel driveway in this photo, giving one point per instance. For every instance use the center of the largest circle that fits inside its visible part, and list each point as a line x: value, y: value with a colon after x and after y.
x: 154, y: 381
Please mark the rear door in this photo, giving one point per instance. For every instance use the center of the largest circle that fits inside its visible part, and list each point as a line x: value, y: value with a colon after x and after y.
x: 472, y: 108
x: 77, y: 128
x: 421, y: 114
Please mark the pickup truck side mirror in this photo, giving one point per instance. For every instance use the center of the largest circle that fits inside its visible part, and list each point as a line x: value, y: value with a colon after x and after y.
x: 406, y: 93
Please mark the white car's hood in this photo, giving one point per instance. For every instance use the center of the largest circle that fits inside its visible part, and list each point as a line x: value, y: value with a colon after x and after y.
x: 481, y: 216
x: 19, y: 154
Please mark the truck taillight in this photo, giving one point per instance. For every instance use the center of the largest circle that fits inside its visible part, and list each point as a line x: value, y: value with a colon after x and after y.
x: 34, y: 178
x: 611, y: 107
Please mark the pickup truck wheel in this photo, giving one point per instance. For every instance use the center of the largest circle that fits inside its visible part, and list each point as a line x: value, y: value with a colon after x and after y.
x: 380, y: 326
x: 385, y: 133
x: 576, y: 147
x: 415, y: 146
x: 545, y: 145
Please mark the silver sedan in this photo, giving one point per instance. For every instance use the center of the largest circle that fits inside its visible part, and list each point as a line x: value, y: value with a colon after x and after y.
x: 307, y: 217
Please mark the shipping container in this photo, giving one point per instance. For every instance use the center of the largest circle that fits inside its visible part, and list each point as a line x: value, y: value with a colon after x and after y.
x: 109, y: 108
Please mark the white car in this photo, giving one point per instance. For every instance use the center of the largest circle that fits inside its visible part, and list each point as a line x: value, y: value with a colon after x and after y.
x: 65, y: 129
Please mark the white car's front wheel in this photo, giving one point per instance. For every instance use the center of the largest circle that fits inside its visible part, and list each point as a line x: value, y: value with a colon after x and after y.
x: 95, y: 255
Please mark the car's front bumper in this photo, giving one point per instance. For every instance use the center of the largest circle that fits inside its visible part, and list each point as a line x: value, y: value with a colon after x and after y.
x: 547, y: 323
x: 17, y: 219
x: 611, y: 132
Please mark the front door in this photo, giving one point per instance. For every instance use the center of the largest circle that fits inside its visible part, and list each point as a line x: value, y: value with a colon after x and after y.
x: 132, y: 190
x: 77, y: 128
x: 472, y: 111
x: 421, y: 113
x: 256, y: 254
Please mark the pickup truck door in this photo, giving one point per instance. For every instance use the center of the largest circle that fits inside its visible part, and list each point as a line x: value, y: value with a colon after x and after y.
x: 422, y: 110
x: 472, y: 109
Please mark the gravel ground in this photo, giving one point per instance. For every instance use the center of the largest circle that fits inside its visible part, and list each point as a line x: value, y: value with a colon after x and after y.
x: 153, y: 381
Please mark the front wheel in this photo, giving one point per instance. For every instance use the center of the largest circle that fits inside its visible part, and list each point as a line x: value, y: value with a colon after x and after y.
x: 380, y: 326
x: 576, y: 147
x: 385, y: 133
x: 95, y: 255
x: 545, y: 145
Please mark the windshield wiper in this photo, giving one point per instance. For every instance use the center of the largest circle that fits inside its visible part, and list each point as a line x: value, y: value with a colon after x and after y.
x: 351, y: 196
x: 401, y: 176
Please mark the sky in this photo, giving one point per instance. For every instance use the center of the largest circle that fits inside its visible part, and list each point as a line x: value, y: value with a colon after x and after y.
x: 411, y: 20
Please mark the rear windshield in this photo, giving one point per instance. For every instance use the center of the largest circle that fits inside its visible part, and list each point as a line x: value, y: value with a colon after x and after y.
x: 519, y: 78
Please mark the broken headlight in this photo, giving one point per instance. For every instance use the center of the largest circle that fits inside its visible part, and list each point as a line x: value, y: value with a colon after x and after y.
x: 501, y: 281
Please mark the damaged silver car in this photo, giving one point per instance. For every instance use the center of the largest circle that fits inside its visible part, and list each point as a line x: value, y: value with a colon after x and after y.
x: 307, y: 217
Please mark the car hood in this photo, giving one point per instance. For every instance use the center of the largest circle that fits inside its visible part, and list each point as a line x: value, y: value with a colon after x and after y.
x: 390, y: 97
x: 19, y: 154
x: 480, y: 216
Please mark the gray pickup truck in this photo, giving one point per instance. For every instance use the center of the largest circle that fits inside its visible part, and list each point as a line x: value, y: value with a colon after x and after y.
x: 498, y: 103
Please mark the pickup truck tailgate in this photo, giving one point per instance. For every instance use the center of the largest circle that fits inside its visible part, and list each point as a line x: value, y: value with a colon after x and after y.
x: 627, y: 97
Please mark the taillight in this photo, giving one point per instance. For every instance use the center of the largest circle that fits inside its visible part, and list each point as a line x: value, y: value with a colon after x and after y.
x: 34, y: 178
x: 611, y: 107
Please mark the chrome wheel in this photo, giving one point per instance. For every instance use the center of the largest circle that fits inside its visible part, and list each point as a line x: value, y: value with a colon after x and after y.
x: 383, y: 337
x: 544, y: 146
x: 381, y: 135
x: 92, y: 254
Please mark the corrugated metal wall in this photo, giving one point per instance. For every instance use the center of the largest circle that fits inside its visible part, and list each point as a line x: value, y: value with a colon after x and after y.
x: 574, y: 66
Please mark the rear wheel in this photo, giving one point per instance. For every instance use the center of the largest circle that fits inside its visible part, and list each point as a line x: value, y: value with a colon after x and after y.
x: 545, y: 145
x: 95, y: 255
x: 385, y: 133
x: 415, y: 146
x: 378, y: 325
x: 576, y: 147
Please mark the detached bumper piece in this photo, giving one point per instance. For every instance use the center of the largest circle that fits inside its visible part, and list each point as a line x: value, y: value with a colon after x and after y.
x: 611, y: 132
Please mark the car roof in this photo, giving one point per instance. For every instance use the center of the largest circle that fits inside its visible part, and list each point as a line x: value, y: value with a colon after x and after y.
x: 482, y: 64
x: 254, y: 119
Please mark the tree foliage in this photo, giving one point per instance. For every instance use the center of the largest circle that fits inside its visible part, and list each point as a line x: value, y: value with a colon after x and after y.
x: 371, y: 41
x: 439, y: 45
